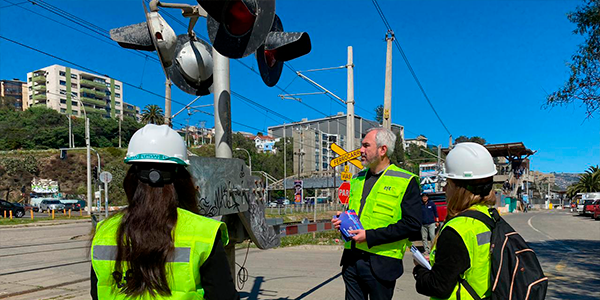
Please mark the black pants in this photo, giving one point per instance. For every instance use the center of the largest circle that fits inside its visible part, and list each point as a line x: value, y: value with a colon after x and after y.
x: 361, y: 284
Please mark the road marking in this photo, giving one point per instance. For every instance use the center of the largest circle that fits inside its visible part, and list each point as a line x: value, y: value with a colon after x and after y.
x: 549, y: 237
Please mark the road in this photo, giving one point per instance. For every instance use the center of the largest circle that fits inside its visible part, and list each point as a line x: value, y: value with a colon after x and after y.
x: 51, y: 262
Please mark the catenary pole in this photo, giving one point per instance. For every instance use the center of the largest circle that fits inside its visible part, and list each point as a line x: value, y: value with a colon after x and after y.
x: 350, y: 103
x: 387, y: 99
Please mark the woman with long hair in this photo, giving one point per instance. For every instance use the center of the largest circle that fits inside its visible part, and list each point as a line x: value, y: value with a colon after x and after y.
x: 461, y: 251
x: 159, y: 247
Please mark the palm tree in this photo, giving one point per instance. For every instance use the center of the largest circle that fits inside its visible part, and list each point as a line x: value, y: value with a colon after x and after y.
x: 153, y: 114
x: 589, y: 182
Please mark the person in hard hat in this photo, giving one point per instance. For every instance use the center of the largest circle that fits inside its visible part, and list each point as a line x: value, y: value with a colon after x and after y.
x: 159, y: 247
x: 462, y: 247
x: 388, y: 203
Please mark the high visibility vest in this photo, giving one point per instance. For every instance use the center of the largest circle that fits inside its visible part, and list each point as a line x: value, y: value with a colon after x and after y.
x: 382, y: 207
x: 476, y: 237
x: 194, y: 237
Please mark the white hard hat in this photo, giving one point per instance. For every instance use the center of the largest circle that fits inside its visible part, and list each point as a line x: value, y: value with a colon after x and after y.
x: 469, y: 161
x: 157, y: 144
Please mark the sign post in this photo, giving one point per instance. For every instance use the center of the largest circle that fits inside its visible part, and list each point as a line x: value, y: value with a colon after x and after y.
x: 105, y: 177
x: 344, y: 193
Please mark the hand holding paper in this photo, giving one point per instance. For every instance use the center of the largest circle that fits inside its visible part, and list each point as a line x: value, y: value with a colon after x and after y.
x: 419, y: 257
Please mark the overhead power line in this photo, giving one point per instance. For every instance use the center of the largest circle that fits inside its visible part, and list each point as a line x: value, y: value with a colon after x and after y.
x: 412, y: 72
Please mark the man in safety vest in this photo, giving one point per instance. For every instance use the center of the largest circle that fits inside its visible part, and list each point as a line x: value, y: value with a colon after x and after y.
x: 388, y: 203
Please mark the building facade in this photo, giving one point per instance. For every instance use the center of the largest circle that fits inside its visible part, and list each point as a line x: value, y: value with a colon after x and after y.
x: 73, y: 92
x: 312, y: 139
x: 14, y: 93
x: 420, y: 141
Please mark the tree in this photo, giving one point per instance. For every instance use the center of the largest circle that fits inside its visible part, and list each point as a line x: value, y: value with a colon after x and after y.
x: 379, y: 114
x: 584, y: 82
x: 589, y: 181
x: 153, y: 114
x: 475, y: 139
x: 397, y: 156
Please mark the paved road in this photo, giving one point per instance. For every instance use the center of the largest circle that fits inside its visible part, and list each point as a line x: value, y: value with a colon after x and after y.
x: 51, y: 262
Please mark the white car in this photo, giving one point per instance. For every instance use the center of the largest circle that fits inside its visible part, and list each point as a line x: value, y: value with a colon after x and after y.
x: 48, y: 205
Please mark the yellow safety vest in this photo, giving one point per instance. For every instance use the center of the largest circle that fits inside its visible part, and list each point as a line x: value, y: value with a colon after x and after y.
x: 476, y: 237
x: 382, y: 207
x: 194, y: 237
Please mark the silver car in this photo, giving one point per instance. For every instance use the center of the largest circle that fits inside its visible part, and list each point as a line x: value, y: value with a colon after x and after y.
x: 48, y: 205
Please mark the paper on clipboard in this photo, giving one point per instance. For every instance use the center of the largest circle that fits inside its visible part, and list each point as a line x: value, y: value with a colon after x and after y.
x: 419, y: 257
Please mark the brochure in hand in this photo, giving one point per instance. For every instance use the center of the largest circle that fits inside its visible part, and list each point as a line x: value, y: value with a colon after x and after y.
x: 350, y: 222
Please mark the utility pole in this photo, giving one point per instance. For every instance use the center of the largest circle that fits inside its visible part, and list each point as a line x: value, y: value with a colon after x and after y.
x: 89, y: 165
x: 70, y: 132
x: 119, y: 132
x: 284, y: 163
x: 168, y: 102
x: 350, y: 103
x: 387, y: 99
x: 450, y: 142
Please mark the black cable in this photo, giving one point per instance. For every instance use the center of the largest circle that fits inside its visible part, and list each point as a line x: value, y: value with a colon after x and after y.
x: 412, y: 72
x: 242, y: 274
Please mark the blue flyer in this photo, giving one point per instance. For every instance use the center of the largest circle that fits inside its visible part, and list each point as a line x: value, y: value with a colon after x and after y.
x: 350, y: 221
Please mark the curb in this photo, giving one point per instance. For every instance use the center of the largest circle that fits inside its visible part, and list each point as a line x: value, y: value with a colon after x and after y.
x: 45, y: 223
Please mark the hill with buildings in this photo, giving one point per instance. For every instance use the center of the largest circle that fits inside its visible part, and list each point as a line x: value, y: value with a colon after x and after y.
x: 564, y: 180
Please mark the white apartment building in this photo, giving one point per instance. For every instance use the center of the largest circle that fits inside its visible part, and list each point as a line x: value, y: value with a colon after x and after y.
x: 65, y: 90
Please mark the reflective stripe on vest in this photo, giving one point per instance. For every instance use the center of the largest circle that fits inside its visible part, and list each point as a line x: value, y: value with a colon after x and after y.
x: 477, y: 237
x: 382, y: 207
x: 194, y: 238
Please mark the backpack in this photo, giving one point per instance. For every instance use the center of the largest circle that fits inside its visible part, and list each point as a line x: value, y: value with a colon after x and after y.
x: 516, y: 272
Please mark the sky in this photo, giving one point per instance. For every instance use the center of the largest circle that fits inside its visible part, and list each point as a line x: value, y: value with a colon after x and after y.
x: 486, y: 67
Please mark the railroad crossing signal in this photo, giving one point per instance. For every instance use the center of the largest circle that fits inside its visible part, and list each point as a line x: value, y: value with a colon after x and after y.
x: 346, y: 176
x: 345, y: 156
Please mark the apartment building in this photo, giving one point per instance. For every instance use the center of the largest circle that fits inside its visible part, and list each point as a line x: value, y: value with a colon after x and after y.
x: 74, y: 92
x: 14, y: 93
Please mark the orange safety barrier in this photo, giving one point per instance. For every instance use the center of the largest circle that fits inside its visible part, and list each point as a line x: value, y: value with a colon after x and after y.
x: 10, y: 213
x: 53, y: 214
x: 31, y: 211
x: 5, y: 214
x: 64, y: 212
x: 69, y: 213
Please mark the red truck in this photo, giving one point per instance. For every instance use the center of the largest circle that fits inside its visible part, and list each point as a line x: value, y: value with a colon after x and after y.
x: 440, y: 202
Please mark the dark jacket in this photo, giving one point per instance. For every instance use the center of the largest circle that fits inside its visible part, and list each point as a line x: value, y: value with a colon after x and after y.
x: 429, y: 212
x: 387, y: 268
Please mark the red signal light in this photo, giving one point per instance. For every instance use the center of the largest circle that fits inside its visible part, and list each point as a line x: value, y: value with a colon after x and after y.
x: 270, y: 57
x: 238, y: 18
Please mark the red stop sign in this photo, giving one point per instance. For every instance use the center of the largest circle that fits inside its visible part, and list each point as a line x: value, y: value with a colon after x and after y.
x: 344, y: 192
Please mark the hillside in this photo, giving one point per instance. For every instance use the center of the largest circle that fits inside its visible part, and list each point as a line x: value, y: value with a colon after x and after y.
x: 564, y: 180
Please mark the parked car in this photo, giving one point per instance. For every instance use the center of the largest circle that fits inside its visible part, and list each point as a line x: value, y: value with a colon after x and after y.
x: 73, y: 206
x: 47, y: 205
x: 17, y: 211
x: 588, y: 207
x: 440, y: 202
x: 25, y: 206
x: 272, y: 204
x: 597, y: 212
x: 594, y: 208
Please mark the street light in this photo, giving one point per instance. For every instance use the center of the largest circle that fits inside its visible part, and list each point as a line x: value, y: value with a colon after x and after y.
x: 249, y: 157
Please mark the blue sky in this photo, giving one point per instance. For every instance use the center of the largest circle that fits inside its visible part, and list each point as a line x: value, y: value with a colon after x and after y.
x: 485, y: 65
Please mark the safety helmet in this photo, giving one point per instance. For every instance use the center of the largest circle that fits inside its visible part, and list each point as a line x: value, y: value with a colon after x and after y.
x: 157, y: 144
x: 468, y: 161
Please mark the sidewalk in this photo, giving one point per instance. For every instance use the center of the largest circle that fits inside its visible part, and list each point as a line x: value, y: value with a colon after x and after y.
x: 47, y: 223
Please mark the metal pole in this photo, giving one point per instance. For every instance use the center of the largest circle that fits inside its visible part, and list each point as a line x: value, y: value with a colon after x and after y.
x: 106, y: 199
x: 222, y: 105
x: 119, y: 132
x: 284, y: 163
x: 450, y: 142
x: 387, y: 99
x: 350, y: 104
x: 70, y: 132
x: 223, y: 139
x: 89, y: 165
x: 168, y: 102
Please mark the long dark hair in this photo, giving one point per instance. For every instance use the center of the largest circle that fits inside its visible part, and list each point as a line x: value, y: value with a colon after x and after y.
x: 144, y: 238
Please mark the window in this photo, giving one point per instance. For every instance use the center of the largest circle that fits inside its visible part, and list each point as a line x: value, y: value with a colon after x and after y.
x: 74, y: 103
x: 63, y: 101
x: 74, y: 94
x: 117, y: 87
x: 62, y: 82
x: 117, y: 95
x: 118, y: 111
x: 30, y: 88
x: 30, y: 97
x: 75, y: 112
x: 63, y: 92
x: 29, y: 79
x: 73, y: 85
x: 117, y: 103
x: 62, y: 73
x: 62, y: 110
x: 73, y: 76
